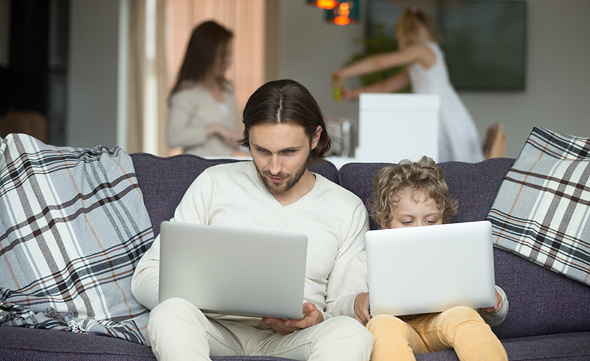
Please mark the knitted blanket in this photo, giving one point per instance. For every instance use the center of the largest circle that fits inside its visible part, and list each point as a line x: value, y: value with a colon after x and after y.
x: 73, y: 226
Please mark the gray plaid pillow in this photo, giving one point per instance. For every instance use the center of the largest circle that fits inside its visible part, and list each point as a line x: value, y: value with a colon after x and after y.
x: 542, y: 210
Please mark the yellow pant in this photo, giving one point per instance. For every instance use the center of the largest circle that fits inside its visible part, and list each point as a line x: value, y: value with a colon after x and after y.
x: 461, y: 328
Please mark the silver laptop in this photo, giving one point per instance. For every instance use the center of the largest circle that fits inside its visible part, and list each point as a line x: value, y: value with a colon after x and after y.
x: 429, y: 269
x: 233, y: 271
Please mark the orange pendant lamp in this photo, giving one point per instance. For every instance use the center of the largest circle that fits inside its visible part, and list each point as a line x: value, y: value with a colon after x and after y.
x: 324, y: 4
x: 347, y: 12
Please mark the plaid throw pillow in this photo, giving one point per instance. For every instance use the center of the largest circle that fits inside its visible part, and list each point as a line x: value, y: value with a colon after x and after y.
x: 542, y: 210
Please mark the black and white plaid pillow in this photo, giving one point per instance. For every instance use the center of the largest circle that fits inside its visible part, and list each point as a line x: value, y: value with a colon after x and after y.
x: 542, y: 210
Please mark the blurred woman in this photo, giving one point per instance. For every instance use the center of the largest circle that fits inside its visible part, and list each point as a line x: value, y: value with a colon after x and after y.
x: 203, y: 114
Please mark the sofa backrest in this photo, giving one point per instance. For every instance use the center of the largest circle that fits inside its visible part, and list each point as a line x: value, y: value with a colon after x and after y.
x: 164, y: 181
x: 474, y: 185
x: 541, y: 301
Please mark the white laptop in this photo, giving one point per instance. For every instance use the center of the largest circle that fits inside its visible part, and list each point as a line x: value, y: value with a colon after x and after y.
x: 233, y: 271
x: 429, y: 269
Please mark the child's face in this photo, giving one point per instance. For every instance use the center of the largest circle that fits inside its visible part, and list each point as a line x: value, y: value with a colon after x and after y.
x: 415, y: 209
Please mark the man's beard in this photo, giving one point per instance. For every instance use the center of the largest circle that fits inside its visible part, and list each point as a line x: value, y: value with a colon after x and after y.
x: 286, y: 185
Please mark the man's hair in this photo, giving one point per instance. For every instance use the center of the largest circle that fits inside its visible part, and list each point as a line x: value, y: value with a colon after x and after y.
x: 208, y: 41
x: 424, y: 176
x: 286, y: 101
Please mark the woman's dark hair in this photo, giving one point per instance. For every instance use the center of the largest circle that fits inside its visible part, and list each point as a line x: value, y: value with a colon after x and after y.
x: 286, y: 101
x: 208, y: 41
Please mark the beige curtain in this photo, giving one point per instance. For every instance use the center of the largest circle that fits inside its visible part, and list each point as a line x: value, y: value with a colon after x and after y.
x: 136, y: 65
x: 162, y: 76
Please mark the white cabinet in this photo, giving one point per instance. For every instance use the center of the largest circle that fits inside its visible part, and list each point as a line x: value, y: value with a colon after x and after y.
x: 393, y: 127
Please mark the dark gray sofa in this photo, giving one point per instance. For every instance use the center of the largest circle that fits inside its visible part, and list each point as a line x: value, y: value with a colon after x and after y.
x: 549, y: 316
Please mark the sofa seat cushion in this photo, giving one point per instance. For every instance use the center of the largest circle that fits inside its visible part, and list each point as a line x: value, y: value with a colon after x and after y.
x: 563, y: 347
x: 25, y: 344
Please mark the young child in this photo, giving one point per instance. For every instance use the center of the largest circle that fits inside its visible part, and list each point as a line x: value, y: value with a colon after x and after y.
x: 414, y: 194
x: 426, y: 71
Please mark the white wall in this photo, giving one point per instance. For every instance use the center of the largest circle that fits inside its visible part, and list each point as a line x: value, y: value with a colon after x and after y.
x: 558, y: 76
x: 92, y: 83
x: 557, y: 81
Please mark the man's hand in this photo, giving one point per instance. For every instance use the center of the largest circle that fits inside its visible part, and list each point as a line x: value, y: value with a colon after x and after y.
x: 497, y: 306
x: 361, y: 308
x: 311, y: 317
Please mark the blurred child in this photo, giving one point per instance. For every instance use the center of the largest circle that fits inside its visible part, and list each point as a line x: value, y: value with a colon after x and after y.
x: 426, y: 71
x: 415, y: 194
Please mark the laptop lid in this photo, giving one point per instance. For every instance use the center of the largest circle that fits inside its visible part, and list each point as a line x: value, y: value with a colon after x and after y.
x: 429, y: 269
x: 233, y: 271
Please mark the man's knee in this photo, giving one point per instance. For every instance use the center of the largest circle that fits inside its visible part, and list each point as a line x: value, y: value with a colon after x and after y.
x: 172, y: 312
x: 171, y: 308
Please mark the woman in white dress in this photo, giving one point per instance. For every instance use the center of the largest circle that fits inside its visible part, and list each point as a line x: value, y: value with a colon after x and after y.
x: 202, y: 118
x: 426, y: 71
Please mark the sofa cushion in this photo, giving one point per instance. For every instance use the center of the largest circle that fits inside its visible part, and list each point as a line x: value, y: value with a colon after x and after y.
x: 563, y: 347
x: 573, y: 346
x: 164, y: 181
x: 542, y: 209
x: 33, y: 344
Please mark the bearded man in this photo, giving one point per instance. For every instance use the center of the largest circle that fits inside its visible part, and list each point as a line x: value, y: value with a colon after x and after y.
x: 285, y: 132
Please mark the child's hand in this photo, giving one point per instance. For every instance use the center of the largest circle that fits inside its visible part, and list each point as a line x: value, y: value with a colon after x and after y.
x: 336, y: 78
x: 348, y: 94
x: 361, y: 308
x: 496, y: 307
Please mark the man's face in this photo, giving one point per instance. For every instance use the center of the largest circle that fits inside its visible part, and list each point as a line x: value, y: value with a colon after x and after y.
x: 415, y: 209
x: 280, y: 153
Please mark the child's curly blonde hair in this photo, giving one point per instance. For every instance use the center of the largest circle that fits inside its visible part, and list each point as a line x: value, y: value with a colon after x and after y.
x: 424, y: 175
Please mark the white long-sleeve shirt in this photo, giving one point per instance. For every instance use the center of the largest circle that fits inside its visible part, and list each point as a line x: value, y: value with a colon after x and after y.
x: 334, y: 220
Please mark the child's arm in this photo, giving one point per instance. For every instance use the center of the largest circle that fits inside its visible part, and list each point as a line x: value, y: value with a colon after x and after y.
x: 384, y: 61
x: 389, y: 85
x: 361, y: 308
x: 496, y: 315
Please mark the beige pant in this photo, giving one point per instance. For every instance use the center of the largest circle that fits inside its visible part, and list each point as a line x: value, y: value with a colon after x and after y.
x: 177, y: 330
x: 461, y: 328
